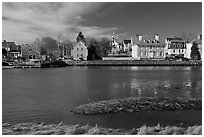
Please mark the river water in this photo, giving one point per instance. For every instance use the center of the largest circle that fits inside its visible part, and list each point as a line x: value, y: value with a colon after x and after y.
x: 49, y: 94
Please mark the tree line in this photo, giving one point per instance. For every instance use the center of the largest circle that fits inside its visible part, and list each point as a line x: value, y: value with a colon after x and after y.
x: 97, y: 47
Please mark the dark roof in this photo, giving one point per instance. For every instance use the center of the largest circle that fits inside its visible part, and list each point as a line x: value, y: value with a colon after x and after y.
x: 127, y: 41
x: 198, y: 41
x: 149, y: 42
x: 177, y: 40
x: 8, y: 44
x: 170, y: 39
x: 24, y: 47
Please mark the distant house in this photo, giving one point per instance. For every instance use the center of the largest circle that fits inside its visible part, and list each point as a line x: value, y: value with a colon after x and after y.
x: 12, y: 52
x: 147, y: 48
x: 198, y: 41
x: 175, y: 47
x: 31, y: 53
x: 115, y: 47
x: 127, y: 45
x: 79, y: 51
x: 7, y: 45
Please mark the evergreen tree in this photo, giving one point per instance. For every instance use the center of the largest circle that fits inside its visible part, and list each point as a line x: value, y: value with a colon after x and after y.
x: 195, y: 54
x: 4, y: 52
x: 81, y: 37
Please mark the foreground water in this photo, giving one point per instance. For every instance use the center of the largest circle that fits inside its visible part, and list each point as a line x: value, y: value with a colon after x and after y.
x: 48, y: 95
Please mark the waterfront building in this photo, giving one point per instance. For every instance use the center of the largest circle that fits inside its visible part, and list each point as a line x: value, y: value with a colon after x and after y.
x: 198, y: 41
x: 31, y: 53
x: 116, y: 47
x: 79, y: 51
x: 12, y: 52
x: 127, y: 45
x: 147, y: 48
x: 122, y: 48
x: 175, y: 47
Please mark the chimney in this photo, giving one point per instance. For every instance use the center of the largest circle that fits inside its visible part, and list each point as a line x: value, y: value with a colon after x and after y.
x: 200, y: 37
x: 156, y: 37
x: 140, y: 37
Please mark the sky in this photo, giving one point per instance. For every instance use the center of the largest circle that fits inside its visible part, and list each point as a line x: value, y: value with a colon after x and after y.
x: 23, y: 22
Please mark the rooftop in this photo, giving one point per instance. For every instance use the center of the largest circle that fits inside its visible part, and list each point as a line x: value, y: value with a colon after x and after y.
x: 150, y: 42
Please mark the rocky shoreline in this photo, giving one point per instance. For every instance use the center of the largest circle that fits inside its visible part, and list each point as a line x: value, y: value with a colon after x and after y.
x: 30, y: 128
x: 133, y: 63
x: 133, y: 104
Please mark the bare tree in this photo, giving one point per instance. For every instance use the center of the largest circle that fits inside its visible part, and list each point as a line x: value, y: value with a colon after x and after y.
x: 186, y: 36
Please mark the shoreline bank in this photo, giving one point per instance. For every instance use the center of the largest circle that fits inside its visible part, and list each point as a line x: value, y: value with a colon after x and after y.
x: 133, y: 63
x: 110, y: 63
x: 30, y: 128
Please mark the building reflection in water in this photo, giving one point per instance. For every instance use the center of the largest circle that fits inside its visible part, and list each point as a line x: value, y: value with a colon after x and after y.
x: 164, y: 88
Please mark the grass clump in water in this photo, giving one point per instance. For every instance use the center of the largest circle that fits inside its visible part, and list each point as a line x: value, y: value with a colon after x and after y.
x: 133, y: 104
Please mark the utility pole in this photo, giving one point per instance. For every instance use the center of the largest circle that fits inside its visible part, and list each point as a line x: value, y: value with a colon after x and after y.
x: 63, y: 49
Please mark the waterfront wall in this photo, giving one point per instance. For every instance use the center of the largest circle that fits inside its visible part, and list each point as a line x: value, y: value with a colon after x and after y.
x: 133, y: 63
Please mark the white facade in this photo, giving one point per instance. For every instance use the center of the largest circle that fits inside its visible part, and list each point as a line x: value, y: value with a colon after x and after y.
x: 177, y: 51
x: 135, y: 52
x: 188, y: 50
x: 148, y: 48
x: 175, y: 46
x: 79, y: 51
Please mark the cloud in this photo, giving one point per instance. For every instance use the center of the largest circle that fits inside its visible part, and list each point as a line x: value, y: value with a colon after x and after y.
x: 24, y: 22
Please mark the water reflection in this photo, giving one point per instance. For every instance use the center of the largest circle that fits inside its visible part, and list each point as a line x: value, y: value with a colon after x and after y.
x: 50, y: 94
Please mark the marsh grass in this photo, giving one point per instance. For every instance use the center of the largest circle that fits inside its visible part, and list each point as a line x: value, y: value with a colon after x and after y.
x: 133, y: 104
x: 61, y: 129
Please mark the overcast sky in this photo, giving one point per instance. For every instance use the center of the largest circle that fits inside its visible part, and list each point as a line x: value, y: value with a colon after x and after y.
x: 24, y: 22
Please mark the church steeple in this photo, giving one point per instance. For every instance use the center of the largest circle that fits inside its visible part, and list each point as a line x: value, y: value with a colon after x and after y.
x: 114, y: 38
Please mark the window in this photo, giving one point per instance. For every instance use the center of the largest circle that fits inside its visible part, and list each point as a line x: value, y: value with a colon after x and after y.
x: 179, y: 50
x: 158, y: 53
x: 140, y: 53
x: 29, y: 49
x: 161, y: 53
x: 81, y: 48
x: 77, y: 54
x: 154, y: 53
x: 77, y: 49
x: 31, y: 57
x: 81, y: 55
x: 174, y: 51
x: 145, y: 53
x: 150, y: 47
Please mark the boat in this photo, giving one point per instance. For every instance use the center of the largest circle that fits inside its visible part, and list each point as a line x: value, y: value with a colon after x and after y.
x: 7, y: 65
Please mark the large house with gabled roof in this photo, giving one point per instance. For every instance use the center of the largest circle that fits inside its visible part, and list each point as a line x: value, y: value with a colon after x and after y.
x: 79, y: 51
x: 148, y: 48
x: 12, y: 51
x: 31, y: 53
